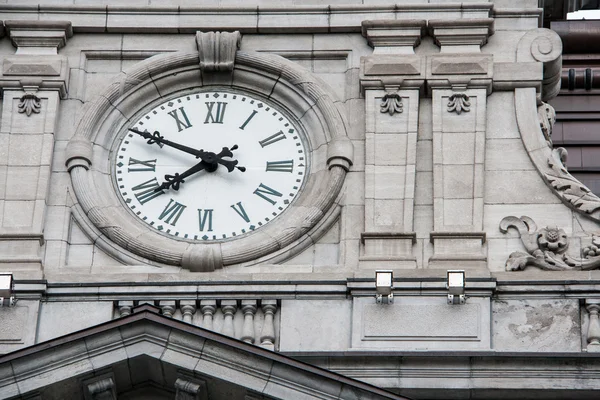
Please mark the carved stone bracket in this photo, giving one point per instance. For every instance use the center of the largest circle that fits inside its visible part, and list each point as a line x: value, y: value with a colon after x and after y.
x: 393, y: 35
x: 458, y: 103
x: 190, y: 389
x: 29, y: 104
x: 547, y: 247
x: 217, y: 50
x: 391, y: 103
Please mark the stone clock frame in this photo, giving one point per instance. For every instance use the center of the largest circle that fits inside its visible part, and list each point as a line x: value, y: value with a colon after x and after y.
x: 217, y: 64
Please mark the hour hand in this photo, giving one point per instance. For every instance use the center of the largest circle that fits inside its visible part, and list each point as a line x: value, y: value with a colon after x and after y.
x: 175, y: 181
x: 157, y: 138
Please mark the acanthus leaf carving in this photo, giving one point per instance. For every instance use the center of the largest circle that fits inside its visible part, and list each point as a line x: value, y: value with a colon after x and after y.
x: 547, y: 118
x: 391, y: 103
x: 29, y: 104
x: 567, y: 187
x: 547, y: 248
x: 459, y: 102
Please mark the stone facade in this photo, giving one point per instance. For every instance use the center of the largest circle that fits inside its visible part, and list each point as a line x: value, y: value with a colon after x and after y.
x: 429, y: 141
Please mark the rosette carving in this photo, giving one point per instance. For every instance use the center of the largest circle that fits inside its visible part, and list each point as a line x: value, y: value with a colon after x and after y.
x: 547, y: 247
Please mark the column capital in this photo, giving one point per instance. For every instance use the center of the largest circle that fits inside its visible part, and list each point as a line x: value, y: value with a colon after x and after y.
x: 464, y: 35
x: 392, y: 36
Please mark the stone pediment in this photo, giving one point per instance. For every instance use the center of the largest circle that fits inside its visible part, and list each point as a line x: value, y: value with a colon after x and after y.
x: 146, y: 355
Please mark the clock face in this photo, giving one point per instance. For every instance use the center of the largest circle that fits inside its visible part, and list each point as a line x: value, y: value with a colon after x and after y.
x: 210, y: 165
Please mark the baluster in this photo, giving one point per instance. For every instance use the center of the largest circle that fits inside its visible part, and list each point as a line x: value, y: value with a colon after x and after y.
x: 228, y: 307
x: 208, y: 309
x: 593, y: 333
x: 249, y: 309
x: 267, y: 335
x: 167, y: 307
x: 188, y: 309
x: 124, y: 308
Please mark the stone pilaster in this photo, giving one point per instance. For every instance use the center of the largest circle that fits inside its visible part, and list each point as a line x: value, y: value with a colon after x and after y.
x: 460, y: 81
x: 392, y: 79
x: 33, y: 82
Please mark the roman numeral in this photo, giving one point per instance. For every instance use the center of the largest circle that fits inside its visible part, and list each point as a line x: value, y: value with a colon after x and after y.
x: 272, y: 139
x: 148, y: 165
x: 146, y: 191
x: 219, y: 112
x: 248, y: 120
x: 204, y: 217
x: 172, y: 212
x: 280, y: 166
x: 181, y: 125
x: 240, y: 210
x: 264, y: 191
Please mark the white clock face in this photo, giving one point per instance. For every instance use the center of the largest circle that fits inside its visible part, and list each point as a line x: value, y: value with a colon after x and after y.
x: 190, y: 181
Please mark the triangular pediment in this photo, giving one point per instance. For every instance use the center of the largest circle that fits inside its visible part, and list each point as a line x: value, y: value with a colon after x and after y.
x: 149, y: 353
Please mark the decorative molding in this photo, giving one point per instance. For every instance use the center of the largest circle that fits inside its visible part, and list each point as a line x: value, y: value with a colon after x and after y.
x: 190, y: 389
x: 547, y: 247
x: 28, y: 35
x: 592, y: 323
x: 217, y: 50
x: 461, y: 35
x: 568, y: 187
x: 29, y: 104
x: 102, y: 389
x: 459, y: 102
x: 398, y: 36
x: 391, y: 103
x: 550, y: 162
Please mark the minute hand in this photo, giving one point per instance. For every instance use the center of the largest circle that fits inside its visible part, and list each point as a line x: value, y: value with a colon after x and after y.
x: 156, y: 138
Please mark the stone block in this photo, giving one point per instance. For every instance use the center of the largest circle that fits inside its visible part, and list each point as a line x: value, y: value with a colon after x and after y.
x: 424, y: 156
x: 506, y: 155
x: 463, y: 122
x: 22, y: 183
x: 326, y: 254
x: 434, y: 325
x: 277, y: 43
x: 501, y: 116
x: 298, y: 319
x: 63, y: 317
x: 457, y: 212
x: 390, y: 245
x: 425, y: 130
x: 499, y: 250
x: 391, y: 149
x: 389, y: 182
x: 80, y: 255
x: 424, y: 188
x: 502, y: 188
x: 386, y: 123
x: 458, y: 148
x: 25, y: 150
x: 458, y: 182
x: 545, y: 325
x: 423, y: 220
x: 18, y: 214
x: 389, y: 215
x: 355, y: 110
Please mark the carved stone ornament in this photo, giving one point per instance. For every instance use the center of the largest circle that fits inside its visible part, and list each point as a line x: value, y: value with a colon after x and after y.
x: 546, y: 248
x: 567, y: 187
x: 547, y: 117
x: 391, y: 103
x: 217, y: 50
x: 459, y: 102
x: 29, y: 104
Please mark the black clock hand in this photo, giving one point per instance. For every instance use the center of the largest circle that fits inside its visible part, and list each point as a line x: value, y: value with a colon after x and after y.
x: 157, y: 138
x: 176, y: 180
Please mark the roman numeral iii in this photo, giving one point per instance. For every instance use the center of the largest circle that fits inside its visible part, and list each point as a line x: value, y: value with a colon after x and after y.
x: 141, y: 165
x: 204, y: 217
x: 181, y: 124
x: 264, y: 191
x: 146, y: 191
x: 214, y: 113
x: 280, y: 166
x: 172, y: 211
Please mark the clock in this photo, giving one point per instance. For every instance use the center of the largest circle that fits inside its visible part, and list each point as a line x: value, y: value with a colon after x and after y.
x: 210, y: 165
x: 179, y: 163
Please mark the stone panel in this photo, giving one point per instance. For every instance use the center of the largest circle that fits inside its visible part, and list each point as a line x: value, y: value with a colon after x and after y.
x: 19, y: 324
x: 433, y: 324
x: 61, y: 318
x: 536, y: 325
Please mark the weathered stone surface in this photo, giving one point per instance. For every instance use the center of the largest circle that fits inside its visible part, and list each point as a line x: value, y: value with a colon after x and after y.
x: 536, y: 325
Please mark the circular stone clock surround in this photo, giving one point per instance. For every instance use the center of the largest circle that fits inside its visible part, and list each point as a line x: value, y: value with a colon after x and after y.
x: 303, y: 97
